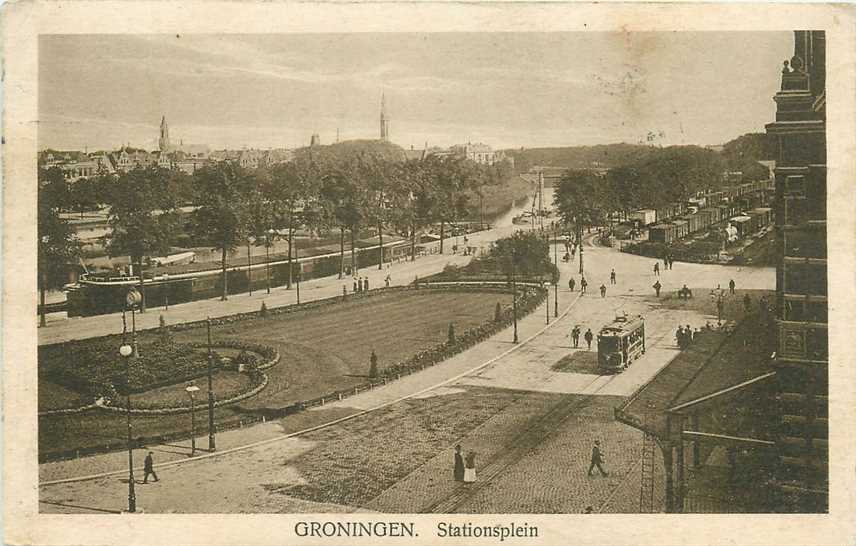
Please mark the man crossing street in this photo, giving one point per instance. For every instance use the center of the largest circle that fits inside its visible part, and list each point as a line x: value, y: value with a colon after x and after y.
x: 597, y: 459
x: 588, y: 337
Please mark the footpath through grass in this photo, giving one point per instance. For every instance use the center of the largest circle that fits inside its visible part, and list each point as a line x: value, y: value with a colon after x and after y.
x: 322, y: 350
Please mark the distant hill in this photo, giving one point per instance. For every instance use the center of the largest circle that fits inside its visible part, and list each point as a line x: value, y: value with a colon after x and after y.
x: 343, y: 151
x: 580, y: 157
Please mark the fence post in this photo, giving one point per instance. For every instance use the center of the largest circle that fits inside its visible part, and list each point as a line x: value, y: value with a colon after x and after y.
x: 340, y: 396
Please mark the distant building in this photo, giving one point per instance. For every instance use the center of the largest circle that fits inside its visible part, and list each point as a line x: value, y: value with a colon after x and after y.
x: 478, y: 152
x: 250, y: 159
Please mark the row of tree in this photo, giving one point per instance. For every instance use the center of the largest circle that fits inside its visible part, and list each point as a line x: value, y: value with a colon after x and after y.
x: 234, y: 206
x: 665, y: 176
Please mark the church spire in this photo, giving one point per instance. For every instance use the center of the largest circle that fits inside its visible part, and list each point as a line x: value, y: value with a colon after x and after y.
x: 163, y: 140
x: 384, y: 120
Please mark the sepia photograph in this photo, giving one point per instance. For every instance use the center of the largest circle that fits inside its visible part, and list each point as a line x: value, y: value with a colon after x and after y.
x: 437, y: 273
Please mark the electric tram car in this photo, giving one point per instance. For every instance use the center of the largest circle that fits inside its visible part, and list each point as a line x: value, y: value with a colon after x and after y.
x: 619, y: 343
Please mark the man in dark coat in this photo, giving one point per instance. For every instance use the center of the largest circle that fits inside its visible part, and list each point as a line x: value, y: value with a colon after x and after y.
x: 459, y: 464
x: 149, y: 468
x: 603, y: 291
x: 612, y: 277
x: 575, y: 336
x: 572, y: 283
x: 366, y: 283
x: 588, y: 337
x: 657, y: 286
x: 596, y: 459
x: 583, y: 285
x: 731, y: 286
x: 356, y: 286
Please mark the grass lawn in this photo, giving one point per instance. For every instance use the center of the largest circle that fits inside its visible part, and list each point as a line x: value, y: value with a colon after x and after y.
x: 322, y: 350
x: 226, y: 383
x: 55, y: 396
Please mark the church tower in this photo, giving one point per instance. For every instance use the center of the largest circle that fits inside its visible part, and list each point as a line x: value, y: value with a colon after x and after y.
x: 163, y: 141
x: 384, y: 120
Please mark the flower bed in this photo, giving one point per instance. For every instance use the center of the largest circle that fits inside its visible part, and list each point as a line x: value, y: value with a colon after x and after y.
x: 93, y: 367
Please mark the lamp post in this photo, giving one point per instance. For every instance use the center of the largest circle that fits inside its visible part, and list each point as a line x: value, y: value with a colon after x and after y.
x: 211, y: 439
x: 300, y: 271
x: 126, y: 351
x: 580, y: 245
x: 556, y: 265
x: 270, y: 234
x: 43, y: 277
x: 166, y: 291
x: 132, y: 299
x: 191, y: 390
x: 514, y: 295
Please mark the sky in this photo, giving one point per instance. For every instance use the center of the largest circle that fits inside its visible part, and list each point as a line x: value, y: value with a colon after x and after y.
x: 507, y: 90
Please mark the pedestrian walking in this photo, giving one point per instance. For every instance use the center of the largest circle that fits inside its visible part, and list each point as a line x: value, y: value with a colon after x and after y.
x: 679, y: 337
x: 575, y: 336
x: 657, y: 268
x: 612, y: 277
x: 671, y: 261
x: 470, y: 467
x: 588, y: 337
x: 387, y: 280
x: 583, y: 285
x: 356, y: 286
x: 597, y: 459
x: 572, y: 283
x: 459, y: 464
x: 603, y: 291
x: 657, y: 286
x: 689, y: 334
x: 149, y: 468
x: 731, y: 286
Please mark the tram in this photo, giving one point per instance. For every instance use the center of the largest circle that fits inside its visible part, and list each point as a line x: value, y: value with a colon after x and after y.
x: 620, y: 342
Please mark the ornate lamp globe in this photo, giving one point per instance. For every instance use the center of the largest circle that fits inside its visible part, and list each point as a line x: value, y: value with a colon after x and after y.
x: 126, y: 350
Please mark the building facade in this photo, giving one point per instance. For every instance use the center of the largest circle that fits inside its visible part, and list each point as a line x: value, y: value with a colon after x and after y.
x: 802, y: 358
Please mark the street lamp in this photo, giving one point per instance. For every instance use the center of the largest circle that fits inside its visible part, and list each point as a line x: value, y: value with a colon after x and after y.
x: 132, y: 299
x: 191, y: 390
x: 556, y: 265
x: 43, y: 277
x: 514, y: 294
x: 166, y: 291
x: 270, y: 234
x: 126, y: 351
x: 211, y: 439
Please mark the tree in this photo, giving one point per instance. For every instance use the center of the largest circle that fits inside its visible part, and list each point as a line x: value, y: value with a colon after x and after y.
x: 57, y: 244
x: 293, y: 186
x: 377, y: 176
x: 221, y: 217
x: 531, y: 253
x: 336, y: 205
x: 581, y: 199
x: 142, y: 218
x: 450, y: 178
x: 414, y: 201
